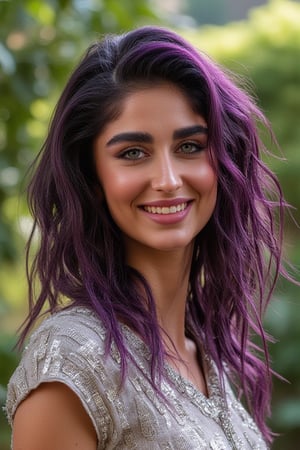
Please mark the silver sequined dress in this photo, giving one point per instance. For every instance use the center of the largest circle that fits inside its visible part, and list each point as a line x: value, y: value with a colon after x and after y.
x: 69, y: 347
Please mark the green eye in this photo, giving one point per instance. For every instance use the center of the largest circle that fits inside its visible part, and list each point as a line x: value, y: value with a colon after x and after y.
x: 190, y: 147
x: 134, y: 153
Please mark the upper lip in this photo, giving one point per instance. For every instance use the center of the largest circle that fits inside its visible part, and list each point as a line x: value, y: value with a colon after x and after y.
x: 169, y: 202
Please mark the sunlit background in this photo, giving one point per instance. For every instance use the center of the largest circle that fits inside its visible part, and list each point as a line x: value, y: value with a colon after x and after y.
x: 41, y: 41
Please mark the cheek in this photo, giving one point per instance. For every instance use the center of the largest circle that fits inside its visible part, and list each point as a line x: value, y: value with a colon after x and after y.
x: 121, y: 187
x: 205, y: 180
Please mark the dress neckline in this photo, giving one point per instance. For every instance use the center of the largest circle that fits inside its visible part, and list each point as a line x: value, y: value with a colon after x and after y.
x: 182, y: 384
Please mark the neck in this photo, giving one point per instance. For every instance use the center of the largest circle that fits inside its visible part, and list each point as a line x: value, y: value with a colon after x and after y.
x: 167, y: 273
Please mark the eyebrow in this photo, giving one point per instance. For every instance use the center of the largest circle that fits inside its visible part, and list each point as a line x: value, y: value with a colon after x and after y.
x: 131, y: 136
x: 189, y: 131
x: 138, y: 136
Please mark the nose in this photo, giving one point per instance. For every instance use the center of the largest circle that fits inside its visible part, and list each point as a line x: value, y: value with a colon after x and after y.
x: 166, y: 176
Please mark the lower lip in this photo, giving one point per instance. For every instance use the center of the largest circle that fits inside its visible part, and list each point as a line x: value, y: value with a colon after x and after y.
x: 169, y: 219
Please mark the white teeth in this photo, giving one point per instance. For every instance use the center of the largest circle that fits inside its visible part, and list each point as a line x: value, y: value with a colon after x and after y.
x: 165, y: 209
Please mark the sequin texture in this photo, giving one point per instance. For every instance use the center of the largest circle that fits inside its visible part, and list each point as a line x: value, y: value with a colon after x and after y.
x: 69, y: 347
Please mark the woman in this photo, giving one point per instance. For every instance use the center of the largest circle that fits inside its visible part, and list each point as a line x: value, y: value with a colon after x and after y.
x: 158, y: 253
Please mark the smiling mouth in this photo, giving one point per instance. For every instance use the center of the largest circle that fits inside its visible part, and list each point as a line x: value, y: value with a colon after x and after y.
x: 165, y: 209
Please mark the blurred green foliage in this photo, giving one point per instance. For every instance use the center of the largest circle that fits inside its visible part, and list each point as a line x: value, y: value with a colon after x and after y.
x: 40, y: 42
x: 9, y: 360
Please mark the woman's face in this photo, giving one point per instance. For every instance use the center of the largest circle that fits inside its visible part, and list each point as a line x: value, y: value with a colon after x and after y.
x: 154, y: 168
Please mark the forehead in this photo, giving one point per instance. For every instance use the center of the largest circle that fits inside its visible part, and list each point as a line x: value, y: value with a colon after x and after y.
x: 156, y: 107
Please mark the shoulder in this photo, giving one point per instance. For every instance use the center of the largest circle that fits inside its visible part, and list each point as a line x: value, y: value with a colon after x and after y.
x: 68, y: 347
x: 73, y: 326
x: 52, y: 417
x: 71, y: 337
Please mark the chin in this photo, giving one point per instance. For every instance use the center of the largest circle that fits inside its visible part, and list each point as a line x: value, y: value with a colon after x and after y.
x: 172, y: 244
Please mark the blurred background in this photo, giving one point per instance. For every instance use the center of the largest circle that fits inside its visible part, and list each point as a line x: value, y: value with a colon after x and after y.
x: 41, y: 41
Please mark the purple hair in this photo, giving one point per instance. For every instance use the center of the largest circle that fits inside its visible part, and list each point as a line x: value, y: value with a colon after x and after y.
x: 237, y: 255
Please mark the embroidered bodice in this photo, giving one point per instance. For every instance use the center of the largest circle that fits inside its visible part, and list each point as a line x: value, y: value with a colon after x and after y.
x: 69, y: 347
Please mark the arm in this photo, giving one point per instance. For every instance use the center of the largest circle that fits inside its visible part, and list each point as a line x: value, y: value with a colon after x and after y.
x: 53, y: 418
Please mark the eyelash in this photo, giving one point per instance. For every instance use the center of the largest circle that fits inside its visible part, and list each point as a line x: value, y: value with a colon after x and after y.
x: 125, y: 154
x: 196, y: 149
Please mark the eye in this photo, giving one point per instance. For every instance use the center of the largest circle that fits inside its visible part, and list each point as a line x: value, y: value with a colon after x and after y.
x: 190, y: 147
x: 132, y: 154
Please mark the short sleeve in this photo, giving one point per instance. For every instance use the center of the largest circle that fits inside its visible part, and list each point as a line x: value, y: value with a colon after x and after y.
x: 65, y: 349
